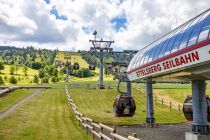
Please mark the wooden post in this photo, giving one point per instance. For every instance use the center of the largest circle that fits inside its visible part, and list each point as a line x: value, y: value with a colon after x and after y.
x: 162, y: 103
x: 114, y: 132
x: 170, y: 105
x: 102, y: 131
x: 134, y: 135
x: 93, y: 129
x: 179, y: 107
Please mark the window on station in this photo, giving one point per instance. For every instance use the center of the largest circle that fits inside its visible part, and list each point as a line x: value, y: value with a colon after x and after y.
x: 134, y: 60
x: 163, y: 48
x: 153, y: 50
x: 180, y: 36
x: 138, y: 59
x: 145, y: 54
x: 197, y: 29
x: 188, y: 32
x: 159, y: 46
x: 171, y: 42
x: 205, y: 30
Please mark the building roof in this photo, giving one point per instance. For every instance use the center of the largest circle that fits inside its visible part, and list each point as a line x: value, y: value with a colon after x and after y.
x: 195, y: 31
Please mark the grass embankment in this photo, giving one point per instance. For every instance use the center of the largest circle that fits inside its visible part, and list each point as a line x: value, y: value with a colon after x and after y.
x: 14, y: 97
x: 175, y: 92
x: 97, y: 104
x: 45, y: 116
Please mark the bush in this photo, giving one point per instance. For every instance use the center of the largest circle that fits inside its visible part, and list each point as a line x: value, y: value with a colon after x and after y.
x: 1, y: 66
x: 12, y: 70
x: 54, y: 79
x: 45, y: 80
x: 41, y: 73
x: 13, y: 80
x: 1, y: 80
x: 36, y: 79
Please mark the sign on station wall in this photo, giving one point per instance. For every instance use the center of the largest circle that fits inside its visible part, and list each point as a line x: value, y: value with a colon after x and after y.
x: 175, y: 63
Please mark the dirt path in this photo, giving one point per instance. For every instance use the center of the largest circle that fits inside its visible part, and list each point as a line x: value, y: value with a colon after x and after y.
x: 13, y: 107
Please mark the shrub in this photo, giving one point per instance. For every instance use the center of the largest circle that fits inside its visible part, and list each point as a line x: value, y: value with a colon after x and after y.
x: 13, y: 80
x: 1, y: 80
x: 45, y: 80
x: 36, y: 79
x: 54, y: 79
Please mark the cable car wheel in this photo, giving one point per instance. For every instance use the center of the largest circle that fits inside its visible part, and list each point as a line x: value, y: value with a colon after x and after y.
x: 188, y: 111
x: 124, y: 105
x: 76, y: 66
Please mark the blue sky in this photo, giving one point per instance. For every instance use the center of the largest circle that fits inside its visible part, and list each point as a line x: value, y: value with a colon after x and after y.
x: 54, y: 11
x: 120, y: 22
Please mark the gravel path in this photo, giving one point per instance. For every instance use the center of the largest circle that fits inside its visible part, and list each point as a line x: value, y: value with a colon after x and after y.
x: 161, y: 132
x: 13, y: 107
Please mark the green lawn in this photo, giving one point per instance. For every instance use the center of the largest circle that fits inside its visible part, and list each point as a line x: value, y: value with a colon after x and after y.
x: 97, y: 104
x: 13, y: 97
x: 45, y: 116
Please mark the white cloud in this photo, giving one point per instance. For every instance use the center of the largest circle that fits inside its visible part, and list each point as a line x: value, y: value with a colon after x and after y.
x: 24, y: 22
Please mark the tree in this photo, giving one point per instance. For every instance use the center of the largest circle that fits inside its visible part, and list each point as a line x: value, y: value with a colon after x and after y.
x: 36, y: 65
x: 25, y: 70
x: 55, y: 72
x: 1, y: 66
x: 54, y: 79
x: 41, y: 73
x: 13, y: 80
x: 16, y: 68
x: 1, y: 80
x: 5, y: 78
x: 36, y: 79
x: 45, y: 80
x: 12, y: 70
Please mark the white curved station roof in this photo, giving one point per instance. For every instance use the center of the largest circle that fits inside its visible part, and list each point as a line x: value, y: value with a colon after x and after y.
x: 185, y: 46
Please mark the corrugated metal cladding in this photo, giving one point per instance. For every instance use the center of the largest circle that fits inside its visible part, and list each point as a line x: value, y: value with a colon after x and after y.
x: 189, y: 34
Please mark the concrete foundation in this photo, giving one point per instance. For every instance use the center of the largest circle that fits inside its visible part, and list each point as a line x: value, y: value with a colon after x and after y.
x: 192, y: 136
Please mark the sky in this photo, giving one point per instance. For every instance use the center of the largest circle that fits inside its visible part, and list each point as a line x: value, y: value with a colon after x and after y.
x: 68, y: 24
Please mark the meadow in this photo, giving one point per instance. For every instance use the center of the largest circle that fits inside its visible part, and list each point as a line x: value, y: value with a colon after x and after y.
x: 45, y: 116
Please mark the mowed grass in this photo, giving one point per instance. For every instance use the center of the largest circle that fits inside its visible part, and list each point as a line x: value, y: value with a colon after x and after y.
x: 14, y: 97
x: 45, y: 116
x: 98, y: 104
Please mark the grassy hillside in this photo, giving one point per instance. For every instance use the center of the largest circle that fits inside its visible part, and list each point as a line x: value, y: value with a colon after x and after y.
x: 75, y: 57
x: 45, y: 116
x: 97, y: 104
x: 19, y: 75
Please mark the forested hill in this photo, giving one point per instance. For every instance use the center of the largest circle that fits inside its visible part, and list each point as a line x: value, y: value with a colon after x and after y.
x: 30, y: 57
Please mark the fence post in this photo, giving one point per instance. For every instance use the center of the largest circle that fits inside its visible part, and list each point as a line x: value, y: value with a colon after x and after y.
x: 179, y: 107
x: 93, y: 129
x: 134, y: 135
x: 162, y: 103
x: 170, y: 105
x: 102, y: 131
x: 114, y: 132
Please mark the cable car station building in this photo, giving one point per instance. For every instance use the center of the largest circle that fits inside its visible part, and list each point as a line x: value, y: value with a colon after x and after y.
x: 183, y: 53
